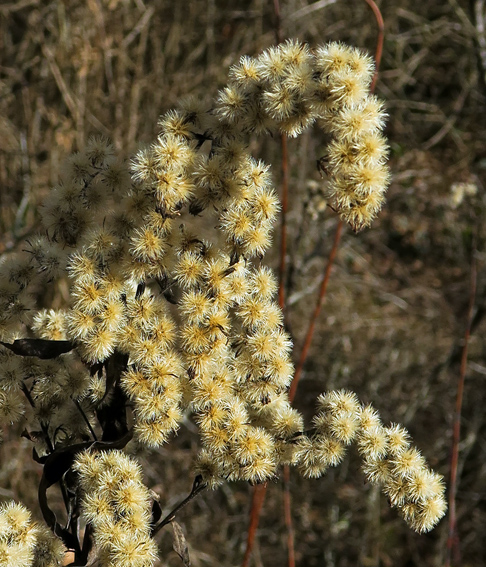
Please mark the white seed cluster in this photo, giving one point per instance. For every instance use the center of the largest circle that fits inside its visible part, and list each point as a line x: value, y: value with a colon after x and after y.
x: 192, y: 309
x: 24, y: 542
x: 117, y: 505
x: 288, y: 88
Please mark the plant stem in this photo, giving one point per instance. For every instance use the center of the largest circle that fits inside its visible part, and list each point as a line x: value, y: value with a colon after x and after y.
x: 452, y: 540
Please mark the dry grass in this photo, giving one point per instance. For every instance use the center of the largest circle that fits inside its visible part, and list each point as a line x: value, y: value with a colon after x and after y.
x: 397, y: 301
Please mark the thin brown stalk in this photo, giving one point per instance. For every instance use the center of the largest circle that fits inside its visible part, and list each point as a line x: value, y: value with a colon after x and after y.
x: 288, y: 517
x: 379, y: 40
x: 259, y: 491
x: 453, y: 540
x: 285, y: 180
x: 258, y: 497
x: 317, y: 310
x: 197, y: 487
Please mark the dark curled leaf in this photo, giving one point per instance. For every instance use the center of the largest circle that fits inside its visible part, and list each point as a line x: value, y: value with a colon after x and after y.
x: 42, y: 348
x: 156, y: 512
x: 70, y: 540
x: 180, y: 544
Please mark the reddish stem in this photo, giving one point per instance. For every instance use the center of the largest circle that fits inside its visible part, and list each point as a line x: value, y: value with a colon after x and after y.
x: 453, y: 540
x: 317, y: 310
x: 259, y: 491
x: 379, y: 40
x: 288, y: 517
x: 257, y: 500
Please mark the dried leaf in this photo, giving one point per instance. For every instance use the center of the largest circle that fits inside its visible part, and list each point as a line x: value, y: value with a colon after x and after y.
x: 180, y: 544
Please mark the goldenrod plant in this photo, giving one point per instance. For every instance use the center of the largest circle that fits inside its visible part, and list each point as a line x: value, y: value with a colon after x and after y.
x: 168, y: 321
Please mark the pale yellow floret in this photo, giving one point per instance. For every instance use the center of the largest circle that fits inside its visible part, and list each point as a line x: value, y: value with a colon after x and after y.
x: 176, y: 123
x: 373, y: 442
x: 88, y: 298
x: 408, y: 462
x: 232, y: 103
x: 99, y: 344
x: 189, y: 270
x: 147, y: 245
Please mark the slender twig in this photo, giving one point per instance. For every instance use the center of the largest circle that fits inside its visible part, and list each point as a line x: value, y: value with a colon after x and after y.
x: 259, y: 491
x: 278, y: 21
x: 379, y: 40
x: 85, y: 418
x: 50, y: 446
x: 452, y: 540
x: 288, y: 517
x: 258, y: 498
x: 317, y: 310
x: 197, y: 487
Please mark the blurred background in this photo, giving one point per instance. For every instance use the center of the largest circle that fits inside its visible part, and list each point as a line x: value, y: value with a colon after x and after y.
x: 393, y: 322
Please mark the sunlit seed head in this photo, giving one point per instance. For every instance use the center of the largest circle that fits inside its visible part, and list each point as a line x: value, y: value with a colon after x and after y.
x: 426, y: 515
x: 256, y: 241
x: 408, y: 462
x: 176, y: 123
x: 147, y: 245
x: 397, y: 490
x: 280, y: 102
x: 260, y: 469
x: 369, y: 417
x: 112, y: 317
x: 264, y: 204
x: 343, y: 426
x: 209, y: 469
x: 151, y: 434
x: 214, y: 415
x: 237, y: 223
x: 50, y: 324
x: 423, y: 485
x: 333, y: 57
x: 347, y: 87
x: 145, y: 350
x: 286, y: 421
x: 189, y: 270
x: 195, y: 339
x: 398, y: 439
x: 207, y: 392
x: 231, y: 104
x: 271, y: 64
x: 295, y: 53
x: 377, y: 471
x: 373, y: 442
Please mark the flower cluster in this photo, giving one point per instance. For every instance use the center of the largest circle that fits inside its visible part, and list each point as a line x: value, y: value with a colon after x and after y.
x: 289, y: 87
x: 116, y: 503
x: 389, y: 460
x: 23, y: 542
x: 172, y: 313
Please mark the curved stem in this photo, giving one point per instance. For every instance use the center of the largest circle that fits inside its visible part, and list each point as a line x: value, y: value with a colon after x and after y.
x: 379, y: 40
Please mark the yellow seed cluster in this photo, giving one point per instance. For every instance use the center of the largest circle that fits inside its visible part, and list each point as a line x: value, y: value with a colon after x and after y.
x: 389, y: 459
x: 116, y: 503
x: 289, y: 87
x: 23, y: 542
x: 186, y: 308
